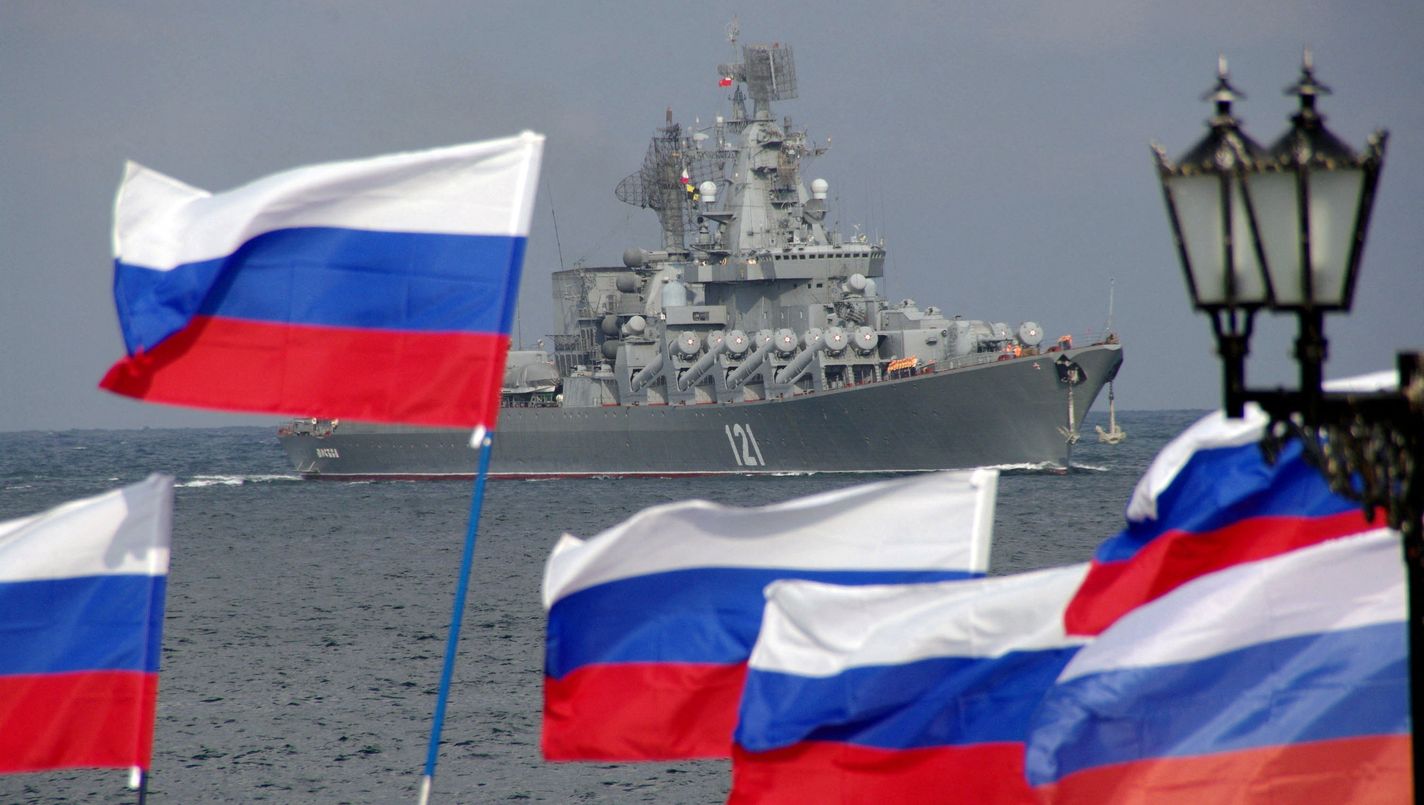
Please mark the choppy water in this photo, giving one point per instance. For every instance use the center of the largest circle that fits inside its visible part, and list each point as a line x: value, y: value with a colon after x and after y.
x: 306, y: 620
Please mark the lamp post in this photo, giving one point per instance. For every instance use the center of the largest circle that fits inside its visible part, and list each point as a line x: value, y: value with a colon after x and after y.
x: 1283, y: 229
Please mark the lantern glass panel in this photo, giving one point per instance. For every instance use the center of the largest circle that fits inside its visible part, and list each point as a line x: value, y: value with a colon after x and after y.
x: 1273, y: 197
x: 1198, y: 201
x: 1334, y: 215
x: 1334, y: 211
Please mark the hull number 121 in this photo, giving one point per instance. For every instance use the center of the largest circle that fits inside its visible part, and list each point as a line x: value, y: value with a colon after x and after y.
x: 744, y: 446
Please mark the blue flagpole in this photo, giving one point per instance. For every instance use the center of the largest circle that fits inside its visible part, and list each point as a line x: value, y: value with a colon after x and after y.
x: 481, y: 438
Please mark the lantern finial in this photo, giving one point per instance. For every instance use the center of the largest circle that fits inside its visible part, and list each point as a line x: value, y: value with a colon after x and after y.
x: 1307, y: 88
x: 1223, y: 94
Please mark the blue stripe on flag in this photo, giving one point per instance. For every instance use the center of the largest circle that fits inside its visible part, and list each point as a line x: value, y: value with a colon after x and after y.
x: 332, y: 277
x: 1315, y: 687
x: 939, y: 701
x: 1225, y: 485
x: 700, y: 615
x: 89, y: 623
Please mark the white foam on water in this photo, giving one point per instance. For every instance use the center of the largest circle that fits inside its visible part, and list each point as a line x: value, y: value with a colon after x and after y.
x: 198, y: 481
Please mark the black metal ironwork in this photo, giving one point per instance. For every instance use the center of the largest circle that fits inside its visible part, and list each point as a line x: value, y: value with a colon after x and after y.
x: 1367, y: 444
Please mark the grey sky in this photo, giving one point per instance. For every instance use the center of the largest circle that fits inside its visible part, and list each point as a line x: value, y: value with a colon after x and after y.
x: 999, y: 147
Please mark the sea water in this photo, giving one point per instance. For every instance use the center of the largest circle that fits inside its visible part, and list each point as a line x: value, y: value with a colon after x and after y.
x: 306, y: 620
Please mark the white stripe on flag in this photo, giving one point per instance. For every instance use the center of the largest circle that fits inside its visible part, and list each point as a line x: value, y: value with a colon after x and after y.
x: 471, y: 189
x: 1340, y: 584
x: 124, y: 532
x: 890, y: 525
x: 812, y: 629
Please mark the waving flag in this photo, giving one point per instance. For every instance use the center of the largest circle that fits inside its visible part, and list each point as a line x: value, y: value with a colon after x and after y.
x: 1281, y: 680
x: 380, y: 289
x: 1209, y: 501
x: 81, y: 618
x: 651, y: 622
x: 907, y: 693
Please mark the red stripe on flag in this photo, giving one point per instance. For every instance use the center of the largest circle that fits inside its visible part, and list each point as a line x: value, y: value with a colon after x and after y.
x: 1372, y: 769
x: 91, y: 718
x: 825, y: 772
x: 642, y: 711
x: 1111, y: 589
x: 450, y: 379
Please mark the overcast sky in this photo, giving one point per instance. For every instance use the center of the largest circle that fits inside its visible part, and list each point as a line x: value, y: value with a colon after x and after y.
x: 1000, y: 148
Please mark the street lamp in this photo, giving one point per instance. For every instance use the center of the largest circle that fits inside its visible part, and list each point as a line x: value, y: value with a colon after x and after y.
x: 1284, y: 229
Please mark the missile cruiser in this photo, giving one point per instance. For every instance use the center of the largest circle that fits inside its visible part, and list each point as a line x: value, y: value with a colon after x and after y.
x: 754, y: 339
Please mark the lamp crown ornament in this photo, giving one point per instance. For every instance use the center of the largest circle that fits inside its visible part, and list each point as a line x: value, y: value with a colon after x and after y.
x: 1306, y: 86
x: 1212, y: 218
x: 1308, y: 143
x: 1223, y: 94
x: 1225, y: 147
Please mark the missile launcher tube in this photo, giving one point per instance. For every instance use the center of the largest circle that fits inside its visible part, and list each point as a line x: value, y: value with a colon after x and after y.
x: 707, y: 361
x: 646, y: 374
x: 752, y: 363
x: 792, y: 370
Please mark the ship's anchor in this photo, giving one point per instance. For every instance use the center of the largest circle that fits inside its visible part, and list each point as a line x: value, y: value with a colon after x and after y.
x: 1070, y: 374
x: 1113, y: 434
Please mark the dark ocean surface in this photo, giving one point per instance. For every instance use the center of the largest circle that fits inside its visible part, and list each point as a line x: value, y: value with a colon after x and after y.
x: 306, y: 620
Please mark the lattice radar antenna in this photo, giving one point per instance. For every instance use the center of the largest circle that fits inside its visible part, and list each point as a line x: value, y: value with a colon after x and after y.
x: 769, y: 72
x: 659, y: 184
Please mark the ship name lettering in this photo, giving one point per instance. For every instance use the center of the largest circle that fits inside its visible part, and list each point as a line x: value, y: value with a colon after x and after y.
x: 327, y: 452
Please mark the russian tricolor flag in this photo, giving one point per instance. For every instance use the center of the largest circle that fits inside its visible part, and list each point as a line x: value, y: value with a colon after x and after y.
x: 1210, y: 500
x: 81, y: 617
x: 380, y: 289
x: 1280, y: 680
x: 651, y: 623
x: 909, y: 693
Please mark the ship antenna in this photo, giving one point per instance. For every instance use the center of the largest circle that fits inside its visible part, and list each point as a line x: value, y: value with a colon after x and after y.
x: 1112, y: 286
x: 549, y: 194
x: 734, y: 30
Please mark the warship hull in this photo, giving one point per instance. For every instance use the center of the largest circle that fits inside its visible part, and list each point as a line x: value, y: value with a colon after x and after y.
x: 1001, y: 413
